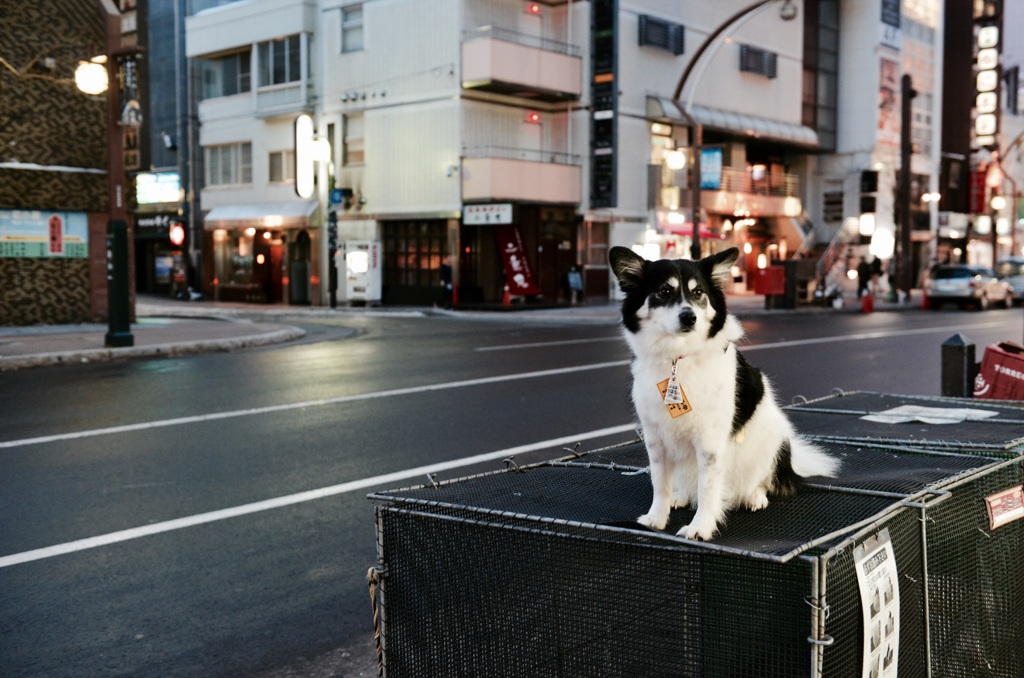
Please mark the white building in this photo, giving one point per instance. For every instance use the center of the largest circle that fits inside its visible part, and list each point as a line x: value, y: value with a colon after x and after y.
x: 514, y: 135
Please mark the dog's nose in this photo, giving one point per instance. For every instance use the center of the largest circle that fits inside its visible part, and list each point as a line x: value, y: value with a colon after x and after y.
x: 687, y: 319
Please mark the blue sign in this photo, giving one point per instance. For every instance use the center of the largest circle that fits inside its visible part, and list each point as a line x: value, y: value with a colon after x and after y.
x: 711, y: 168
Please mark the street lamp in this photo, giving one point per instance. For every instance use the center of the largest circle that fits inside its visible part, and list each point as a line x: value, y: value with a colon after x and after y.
x: 787, y: 12
x: 87, y: 78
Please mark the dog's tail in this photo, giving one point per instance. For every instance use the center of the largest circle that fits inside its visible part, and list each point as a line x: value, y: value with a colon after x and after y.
x: 810, y: 460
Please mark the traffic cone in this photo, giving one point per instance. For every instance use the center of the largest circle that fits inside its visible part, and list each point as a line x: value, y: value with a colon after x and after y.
x: 506, y: 298
x: 867, y: 303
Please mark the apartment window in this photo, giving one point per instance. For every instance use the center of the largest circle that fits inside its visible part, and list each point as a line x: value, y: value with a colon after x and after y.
x: 280, y: 61
x: 352, y: 146
x: 661, y: 34
x: 352, y: 28
x: 756, y: 60
x: 282, y: 166
x: 228, y: 164
x: 226, y: 75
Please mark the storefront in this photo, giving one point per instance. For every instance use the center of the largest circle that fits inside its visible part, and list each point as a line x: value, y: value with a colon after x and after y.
x: 263, y: 253
x: 530, y: 248
x: 159, y: 265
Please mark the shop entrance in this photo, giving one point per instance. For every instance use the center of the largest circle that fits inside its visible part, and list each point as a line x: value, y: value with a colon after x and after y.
x: 412, y: 261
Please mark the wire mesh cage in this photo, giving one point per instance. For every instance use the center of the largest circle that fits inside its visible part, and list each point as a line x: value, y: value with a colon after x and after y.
x: 541, y: 571
x: 993, y: 427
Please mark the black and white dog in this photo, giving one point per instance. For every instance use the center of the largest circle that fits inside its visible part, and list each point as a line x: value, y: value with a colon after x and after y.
x: 714, y: 432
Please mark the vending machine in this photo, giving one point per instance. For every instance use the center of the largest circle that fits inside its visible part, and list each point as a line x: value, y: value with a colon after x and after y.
x: 362, y: 272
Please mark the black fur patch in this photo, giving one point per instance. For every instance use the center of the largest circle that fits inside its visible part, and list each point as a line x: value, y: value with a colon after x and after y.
x: 749, y: 392
x: 785, y: 482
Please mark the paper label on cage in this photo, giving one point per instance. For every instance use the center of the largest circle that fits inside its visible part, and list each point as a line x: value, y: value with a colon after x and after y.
x: 1005, y: 507
x: 877, y: 578
x: 675, y: 409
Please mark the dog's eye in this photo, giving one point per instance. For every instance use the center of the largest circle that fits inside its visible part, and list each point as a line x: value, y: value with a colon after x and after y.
x: 664, y: 293
x: 697, y: 293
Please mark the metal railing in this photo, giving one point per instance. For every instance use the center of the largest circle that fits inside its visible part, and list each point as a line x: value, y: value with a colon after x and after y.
x: 506, y: 35
x: 743, y: 181
x: 525, y: 154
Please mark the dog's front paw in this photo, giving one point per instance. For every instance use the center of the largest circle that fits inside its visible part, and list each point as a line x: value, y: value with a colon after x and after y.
x: 757, y: 501
x: 698, y: 532
x: 652, y: 522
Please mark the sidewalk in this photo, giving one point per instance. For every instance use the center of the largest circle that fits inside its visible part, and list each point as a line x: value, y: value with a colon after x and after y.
x: 168, y: 327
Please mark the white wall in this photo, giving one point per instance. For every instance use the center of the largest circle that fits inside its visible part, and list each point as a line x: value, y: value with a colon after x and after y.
x: 241, y: 23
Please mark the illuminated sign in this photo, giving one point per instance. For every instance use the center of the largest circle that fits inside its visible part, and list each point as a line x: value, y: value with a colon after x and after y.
x: 151, y: 188
x: 304, y: 167
x: 986, y: 103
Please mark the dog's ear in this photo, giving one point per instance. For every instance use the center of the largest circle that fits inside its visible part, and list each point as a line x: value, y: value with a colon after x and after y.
x: 719, y: 265
x: 628, y: 267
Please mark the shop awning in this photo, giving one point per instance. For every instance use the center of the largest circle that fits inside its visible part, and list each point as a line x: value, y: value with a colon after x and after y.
x: 743, y: 124
x: 290, y: 214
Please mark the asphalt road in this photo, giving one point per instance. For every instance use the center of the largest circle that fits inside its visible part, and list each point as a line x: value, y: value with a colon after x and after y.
x: 206, y: 515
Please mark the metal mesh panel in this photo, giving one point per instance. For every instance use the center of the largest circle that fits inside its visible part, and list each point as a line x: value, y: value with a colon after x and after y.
x: 465, y: 599
x: 841, y: 595
x: 839, y: 417
x: 540, y: 571
x: 976, y: 583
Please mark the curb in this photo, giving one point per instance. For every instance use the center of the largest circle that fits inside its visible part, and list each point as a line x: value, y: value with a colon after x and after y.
x: 285, y: 333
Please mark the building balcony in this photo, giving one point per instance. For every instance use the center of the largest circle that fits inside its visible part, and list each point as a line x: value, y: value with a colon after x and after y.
x: 278, y: 100
x: 505, y: 62
x: 497, y: 173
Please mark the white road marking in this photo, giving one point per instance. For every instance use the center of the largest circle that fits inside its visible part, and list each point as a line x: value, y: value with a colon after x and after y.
x: 779, y: 344
x: 865, y: 335
x: 213, y: 416
x: 545, y: 344
x: 269, y: 504
x: 301, y: 497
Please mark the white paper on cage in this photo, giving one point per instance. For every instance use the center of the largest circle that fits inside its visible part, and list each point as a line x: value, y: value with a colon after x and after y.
x: 880, y: 602
x: 929, y: 415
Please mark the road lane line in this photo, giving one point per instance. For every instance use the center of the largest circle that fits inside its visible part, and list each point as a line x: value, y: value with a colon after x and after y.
x: 546, y: 344
x: 301, y: 497
x: 213, y: 416
x: 865, y: 335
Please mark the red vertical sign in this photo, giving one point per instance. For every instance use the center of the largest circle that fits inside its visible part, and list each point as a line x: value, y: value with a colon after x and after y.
x: 976, y: 196
x: 56, y: 235
x: 513, y: 255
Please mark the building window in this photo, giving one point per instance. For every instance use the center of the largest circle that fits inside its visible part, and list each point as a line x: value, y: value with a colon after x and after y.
x: 282, y: 166
x: 228, y: 164
x: 279, y: 61
x: 662, y: 34
x: 226, y: 75
x: 352, y: 145
x: 352, y: 28
x: 756, y: 60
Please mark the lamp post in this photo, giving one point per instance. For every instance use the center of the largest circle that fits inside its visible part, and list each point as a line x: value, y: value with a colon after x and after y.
x: 787, y: 12
x: 118, y: 288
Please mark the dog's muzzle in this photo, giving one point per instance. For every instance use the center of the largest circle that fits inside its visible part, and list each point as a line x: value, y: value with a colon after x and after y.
x: 687, y: 319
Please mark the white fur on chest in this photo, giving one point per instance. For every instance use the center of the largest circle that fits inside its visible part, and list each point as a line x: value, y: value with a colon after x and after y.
x: 707, y: 380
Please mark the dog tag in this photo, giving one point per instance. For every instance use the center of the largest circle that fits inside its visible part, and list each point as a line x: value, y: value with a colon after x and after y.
x: 675, y: 409
x: 673, y: 394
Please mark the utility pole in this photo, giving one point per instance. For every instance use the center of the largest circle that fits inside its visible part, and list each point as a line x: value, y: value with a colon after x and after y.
x: 905, y: 277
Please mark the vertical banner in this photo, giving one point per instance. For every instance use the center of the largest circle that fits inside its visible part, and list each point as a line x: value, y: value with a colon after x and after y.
x: 517, y: 265
x: 888, y: 102
x: 604, y: 94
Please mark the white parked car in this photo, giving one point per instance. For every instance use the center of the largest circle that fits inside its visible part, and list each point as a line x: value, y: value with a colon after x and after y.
x: 963, y: 284
x: 1011, y: 271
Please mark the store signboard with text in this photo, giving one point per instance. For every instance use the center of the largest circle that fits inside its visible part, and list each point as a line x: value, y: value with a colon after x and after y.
x: 43, y: 234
